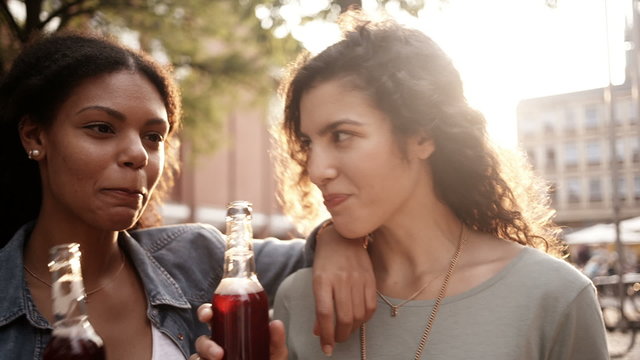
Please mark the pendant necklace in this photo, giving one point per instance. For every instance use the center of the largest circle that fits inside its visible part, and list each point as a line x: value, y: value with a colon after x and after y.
x: 395, y: 307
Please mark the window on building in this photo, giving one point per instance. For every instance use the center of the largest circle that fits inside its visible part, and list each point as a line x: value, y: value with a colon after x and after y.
x: 619, y: 146
x: 591, y: 117
x: 569, y: 121
x: 622, y: 111
x: 636, y: 187
x: 621, y: 189
x: 594, y: 153
x: 635, y: 149
x: 595, y: 190
x: 573, y: 190
x: 550, y: 158
x: 570, y: 155
x: 548, y: 123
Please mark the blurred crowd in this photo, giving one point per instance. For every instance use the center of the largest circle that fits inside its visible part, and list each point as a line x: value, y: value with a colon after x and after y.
x: 596, y: 261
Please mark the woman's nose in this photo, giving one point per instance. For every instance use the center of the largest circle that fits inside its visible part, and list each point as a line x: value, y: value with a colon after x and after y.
x: 133, y: 153
x: 321, y: 167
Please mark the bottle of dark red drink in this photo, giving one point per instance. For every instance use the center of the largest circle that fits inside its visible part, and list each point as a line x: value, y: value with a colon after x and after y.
x: 240, y: 321
x: 73, y: 337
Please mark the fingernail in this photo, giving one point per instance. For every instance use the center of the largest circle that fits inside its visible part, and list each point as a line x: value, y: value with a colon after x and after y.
x: 327, y: 350
x: 215, y: 352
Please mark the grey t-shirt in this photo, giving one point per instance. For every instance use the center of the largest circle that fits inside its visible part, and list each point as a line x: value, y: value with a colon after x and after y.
x: 537, y: 307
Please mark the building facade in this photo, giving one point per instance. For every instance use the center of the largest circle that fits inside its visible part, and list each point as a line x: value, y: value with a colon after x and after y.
x: 240, y: 169
x: 571, y: 142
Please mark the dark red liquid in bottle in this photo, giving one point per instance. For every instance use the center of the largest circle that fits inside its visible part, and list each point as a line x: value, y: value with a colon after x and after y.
x: 66, y: 348
x: 240, y: 325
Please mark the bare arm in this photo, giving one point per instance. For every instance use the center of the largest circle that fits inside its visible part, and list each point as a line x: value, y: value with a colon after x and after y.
x: 344, y: 287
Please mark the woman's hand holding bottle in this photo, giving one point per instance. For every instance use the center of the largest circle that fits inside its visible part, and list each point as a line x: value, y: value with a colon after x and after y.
x: 208, y: 350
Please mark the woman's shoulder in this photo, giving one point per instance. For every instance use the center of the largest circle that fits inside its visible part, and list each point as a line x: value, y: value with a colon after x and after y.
x: 156, y: 239
x: 191, y: 254
x: 551, y: 266
x: 297, y: 284
x: 510, y: 269
x: 525, y: 261
x: 549, y: 274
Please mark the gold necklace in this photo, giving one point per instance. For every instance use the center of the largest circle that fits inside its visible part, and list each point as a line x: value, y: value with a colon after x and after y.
x: 393, y: 307
x: 434, y: 310
x: 109, y: 282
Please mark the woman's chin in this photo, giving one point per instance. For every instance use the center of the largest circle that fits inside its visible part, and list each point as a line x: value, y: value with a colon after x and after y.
x: 121, y: 220
x: 347, y: 230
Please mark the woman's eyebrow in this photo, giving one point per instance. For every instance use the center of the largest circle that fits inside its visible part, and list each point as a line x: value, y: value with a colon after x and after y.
x: 111, y: 112
x: 118, y: 115
x: 332, y: 126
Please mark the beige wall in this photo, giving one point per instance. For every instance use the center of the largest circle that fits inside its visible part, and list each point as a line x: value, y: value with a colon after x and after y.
x: 241, y: 169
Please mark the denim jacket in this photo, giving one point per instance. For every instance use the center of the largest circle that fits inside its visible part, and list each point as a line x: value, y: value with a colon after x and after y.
x: 180, y: 267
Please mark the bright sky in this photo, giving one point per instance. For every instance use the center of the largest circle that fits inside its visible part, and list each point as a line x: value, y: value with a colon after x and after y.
x: 510, y: 50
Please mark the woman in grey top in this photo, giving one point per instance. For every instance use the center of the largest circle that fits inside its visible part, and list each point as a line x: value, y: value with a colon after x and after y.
x: 459, y: 234
x: 88, y: 143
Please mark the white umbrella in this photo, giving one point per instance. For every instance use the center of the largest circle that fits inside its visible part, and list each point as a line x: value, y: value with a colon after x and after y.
x: 632, y: 224
x: 604, y: 234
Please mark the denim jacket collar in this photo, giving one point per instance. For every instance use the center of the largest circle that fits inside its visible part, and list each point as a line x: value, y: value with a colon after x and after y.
x: 160, y: 287
x: 16, y: 299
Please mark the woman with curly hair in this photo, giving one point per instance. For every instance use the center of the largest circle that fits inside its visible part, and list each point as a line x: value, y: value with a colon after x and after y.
x: 87, y: 131
x: 459, y: 234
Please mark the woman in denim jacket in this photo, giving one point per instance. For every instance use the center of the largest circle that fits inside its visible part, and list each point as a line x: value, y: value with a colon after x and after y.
x: 88, y: 130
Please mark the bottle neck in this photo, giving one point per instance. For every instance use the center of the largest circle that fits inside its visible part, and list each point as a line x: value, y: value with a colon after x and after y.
x: 238, y: 257
x: 239, y: 263
x: 67, y: 287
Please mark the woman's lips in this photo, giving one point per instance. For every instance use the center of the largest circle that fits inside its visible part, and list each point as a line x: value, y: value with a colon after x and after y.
x: 333, y: 200
x: 127, y: 196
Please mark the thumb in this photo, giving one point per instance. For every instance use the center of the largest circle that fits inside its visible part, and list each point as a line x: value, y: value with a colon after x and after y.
x: 278, y: 346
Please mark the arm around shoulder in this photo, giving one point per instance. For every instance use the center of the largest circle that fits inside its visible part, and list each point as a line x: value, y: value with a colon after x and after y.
x: 277, y: 259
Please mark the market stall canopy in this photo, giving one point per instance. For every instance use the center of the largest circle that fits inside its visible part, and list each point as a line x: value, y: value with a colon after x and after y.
x: 606, y: 234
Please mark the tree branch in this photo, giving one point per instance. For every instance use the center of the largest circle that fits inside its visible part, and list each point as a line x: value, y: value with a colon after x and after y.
x: 13, y: 25
x: 32, y: 21
x: 62, y: 10
x: 64, y: 19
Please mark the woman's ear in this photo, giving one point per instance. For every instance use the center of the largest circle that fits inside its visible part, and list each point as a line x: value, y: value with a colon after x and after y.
x: 32, y: 138
x: 422, y: 145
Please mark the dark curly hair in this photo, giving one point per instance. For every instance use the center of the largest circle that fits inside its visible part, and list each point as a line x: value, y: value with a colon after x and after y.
x: 414, y: 82
x: 40, y: 80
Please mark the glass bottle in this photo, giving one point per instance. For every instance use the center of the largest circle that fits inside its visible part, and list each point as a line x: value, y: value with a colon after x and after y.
x: 73, y: 337
x: 240, y: 321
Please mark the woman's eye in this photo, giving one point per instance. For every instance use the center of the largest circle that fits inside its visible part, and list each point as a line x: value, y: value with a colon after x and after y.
x: 155, y: 137
x: 340, y: 136
x: 305, y: 143
x: 101, y: 128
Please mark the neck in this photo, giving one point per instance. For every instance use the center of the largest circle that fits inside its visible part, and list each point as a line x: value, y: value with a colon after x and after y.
x: 413, y: 249
x: 99, y: 248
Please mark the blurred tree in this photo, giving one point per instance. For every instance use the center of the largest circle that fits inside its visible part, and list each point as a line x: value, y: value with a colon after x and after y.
x: 225, y: 57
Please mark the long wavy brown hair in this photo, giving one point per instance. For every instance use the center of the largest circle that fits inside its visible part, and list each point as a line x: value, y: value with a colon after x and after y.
x: 414, y: 82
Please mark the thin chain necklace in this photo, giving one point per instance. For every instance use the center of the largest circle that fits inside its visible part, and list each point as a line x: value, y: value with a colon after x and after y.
x: 395, y: 307
x: 434, y: 310
x: 109, y: 282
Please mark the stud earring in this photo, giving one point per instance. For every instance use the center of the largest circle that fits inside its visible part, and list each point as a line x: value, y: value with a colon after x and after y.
x: 33, y: 153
